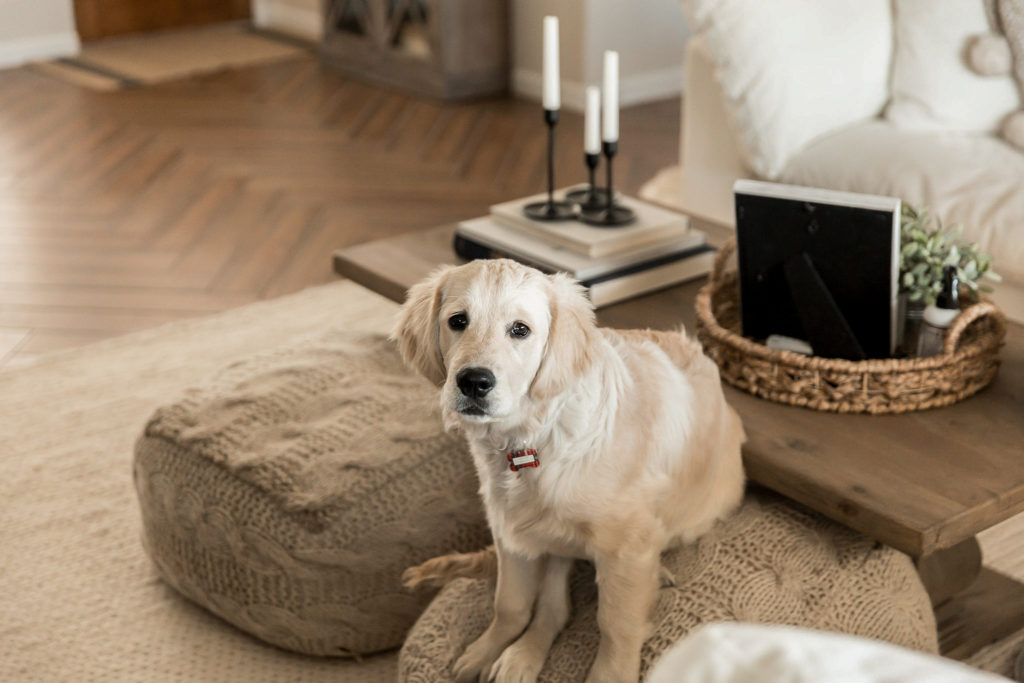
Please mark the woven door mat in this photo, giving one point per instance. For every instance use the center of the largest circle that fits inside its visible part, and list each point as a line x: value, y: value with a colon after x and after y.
x: 149, y: 58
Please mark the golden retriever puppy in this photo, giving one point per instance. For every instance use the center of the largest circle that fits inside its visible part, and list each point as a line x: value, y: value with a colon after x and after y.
x: 608, y: 445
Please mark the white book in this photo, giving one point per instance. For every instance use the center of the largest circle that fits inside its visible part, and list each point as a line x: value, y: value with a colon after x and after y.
x: 653, y: 225
x: 645, y: 281
x: 605, y: 285
x: 552, y: 257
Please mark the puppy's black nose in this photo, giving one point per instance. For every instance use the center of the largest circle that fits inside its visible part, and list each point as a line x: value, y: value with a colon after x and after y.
x: 475, y: 382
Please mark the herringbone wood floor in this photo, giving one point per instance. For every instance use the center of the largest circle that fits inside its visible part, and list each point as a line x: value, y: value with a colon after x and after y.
x: 124, y: 210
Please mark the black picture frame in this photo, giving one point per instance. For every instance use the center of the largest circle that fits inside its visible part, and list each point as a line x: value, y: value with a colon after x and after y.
x: 819, y: 265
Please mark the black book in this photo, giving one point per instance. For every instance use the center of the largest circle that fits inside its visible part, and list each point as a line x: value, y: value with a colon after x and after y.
x: 654, y: 272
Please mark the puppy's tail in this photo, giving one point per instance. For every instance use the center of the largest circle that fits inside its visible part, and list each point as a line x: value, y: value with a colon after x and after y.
x: 434, y: 573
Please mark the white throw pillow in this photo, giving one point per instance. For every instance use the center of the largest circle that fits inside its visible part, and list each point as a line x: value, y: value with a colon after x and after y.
x: 739, y: 653
x: 792, y: 70
x: 932, y: 86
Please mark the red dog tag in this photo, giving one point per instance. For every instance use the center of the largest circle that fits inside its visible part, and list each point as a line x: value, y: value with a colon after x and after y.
x: 517, y: 460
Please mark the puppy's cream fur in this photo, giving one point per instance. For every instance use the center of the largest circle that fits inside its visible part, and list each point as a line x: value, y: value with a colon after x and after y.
x: 638, y: 452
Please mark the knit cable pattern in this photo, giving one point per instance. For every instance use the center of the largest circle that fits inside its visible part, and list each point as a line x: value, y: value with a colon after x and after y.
x: 288, y: 494
x: 771, y: 562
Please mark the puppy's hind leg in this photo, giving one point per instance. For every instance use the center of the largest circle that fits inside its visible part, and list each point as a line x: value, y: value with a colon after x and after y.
x: 439, y: 571
x: 522, y: 661
x: 514, y: 596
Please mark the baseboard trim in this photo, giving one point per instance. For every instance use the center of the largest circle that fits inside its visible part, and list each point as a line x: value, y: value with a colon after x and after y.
x: 23, y: 50
x: 645, y: 87
x: 652, y: 85
x: 277, y: 16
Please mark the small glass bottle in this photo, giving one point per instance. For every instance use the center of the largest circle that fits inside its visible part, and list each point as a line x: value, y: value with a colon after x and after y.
x: 940, y: 315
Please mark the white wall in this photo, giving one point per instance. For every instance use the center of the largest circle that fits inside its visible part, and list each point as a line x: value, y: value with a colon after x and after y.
x: 36, y: 29
x: 650, y: 36
x: 302, y: 18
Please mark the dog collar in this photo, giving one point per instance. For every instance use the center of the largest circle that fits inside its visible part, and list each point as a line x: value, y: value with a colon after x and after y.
x: 517, y: 460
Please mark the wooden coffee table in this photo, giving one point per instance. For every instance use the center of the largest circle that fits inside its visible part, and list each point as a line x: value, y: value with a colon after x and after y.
x: 925, y: 483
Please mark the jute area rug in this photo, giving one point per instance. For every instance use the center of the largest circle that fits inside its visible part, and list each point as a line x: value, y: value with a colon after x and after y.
x: 79, y: 599
x: 149, y: 58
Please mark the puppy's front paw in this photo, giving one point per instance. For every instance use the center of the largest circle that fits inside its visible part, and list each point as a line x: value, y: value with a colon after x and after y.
x: 478, y: 657
x: 606, y: 670
x: 517, y: 664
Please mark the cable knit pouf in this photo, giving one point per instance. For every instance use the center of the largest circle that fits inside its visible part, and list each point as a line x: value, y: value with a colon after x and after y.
x: 288, y: 494
x: 771, y: 562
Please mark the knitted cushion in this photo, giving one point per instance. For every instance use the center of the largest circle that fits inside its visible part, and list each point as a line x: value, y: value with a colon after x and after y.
x: 771, y: 562
x: 289, y: 493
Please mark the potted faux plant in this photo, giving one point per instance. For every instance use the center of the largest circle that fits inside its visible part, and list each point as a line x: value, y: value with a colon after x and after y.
x: 925, y: 248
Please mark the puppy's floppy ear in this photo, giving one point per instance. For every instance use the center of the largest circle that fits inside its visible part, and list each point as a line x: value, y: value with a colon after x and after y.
x: 570, y: 346
x: 417, y: 331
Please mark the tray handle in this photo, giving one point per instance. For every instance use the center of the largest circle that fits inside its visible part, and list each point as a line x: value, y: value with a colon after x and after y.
x: 966, y: 317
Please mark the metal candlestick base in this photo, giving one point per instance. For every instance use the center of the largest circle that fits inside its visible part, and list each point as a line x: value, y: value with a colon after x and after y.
x: 549, y: 209
x: 609, y: 214
x: 606, y: 217
x: 589, y: 198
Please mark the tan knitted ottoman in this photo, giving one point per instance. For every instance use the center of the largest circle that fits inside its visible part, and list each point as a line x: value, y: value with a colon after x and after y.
x: 771, y: 562
x: 288, y: 494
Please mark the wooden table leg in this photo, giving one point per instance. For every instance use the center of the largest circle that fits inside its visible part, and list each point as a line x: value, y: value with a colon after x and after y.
x: 974, y: 606
x: 947, y: 572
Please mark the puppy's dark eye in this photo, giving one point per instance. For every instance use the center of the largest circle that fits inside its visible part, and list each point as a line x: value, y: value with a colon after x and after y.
x: 519, y: 330
x: 459, y: 321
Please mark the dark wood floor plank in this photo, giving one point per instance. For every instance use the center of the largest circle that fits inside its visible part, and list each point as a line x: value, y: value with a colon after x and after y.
x: 127, y: 209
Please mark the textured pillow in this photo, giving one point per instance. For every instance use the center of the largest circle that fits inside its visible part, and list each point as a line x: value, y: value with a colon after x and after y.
x: 769, y: 563
x: 741, y: 653
x: 289, y: 493
x: 932, y: 86
x: 792, y: 70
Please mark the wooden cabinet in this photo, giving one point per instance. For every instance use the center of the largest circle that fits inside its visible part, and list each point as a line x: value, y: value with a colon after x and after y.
x: 103, y: 18
x: 450, y: 49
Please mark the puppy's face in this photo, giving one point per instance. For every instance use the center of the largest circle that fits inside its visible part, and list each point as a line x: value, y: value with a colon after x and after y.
x: 495, y: 336
x: 493, y: 324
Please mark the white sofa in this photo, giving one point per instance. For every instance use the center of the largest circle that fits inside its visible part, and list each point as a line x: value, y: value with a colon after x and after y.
x: 862, y: 95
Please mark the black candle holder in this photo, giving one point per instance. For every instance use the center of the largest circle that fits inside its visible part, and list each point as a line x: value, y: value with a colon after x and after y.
x: 551, y: 210
x: 610, y: 215
x: 592, y: 197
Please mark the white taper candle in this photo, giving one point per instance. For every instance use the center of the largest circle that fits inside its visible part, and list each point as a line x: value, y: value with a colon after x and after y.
x: 610, y: 114
x: 552, y: 98
x: 592, y: 121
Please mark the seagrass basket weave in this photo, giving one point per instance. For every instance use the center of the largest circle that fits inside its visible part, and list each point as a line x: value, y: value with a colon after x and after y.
x: 968, y: 362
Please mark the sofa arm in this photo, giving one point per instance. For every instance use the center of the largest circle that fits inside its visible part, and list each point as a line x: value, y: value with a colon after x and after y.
x: 710, y: 158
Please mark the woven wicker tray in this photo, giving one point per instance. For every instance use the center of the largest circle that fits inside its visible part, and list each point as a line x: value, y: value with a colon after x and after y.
x: 969, y: 360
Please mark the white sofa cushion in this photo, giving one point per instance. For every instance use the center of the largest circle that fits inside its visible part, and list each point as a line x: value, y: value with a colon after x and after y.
x: 792, y: 70
x: 932, y: 87
x: 767, y: 653
x: 970, y: 179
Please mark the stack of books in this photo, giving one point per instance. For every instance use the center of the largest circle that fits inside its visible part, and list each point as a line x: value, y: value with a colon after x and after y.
x: 658, y: 250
